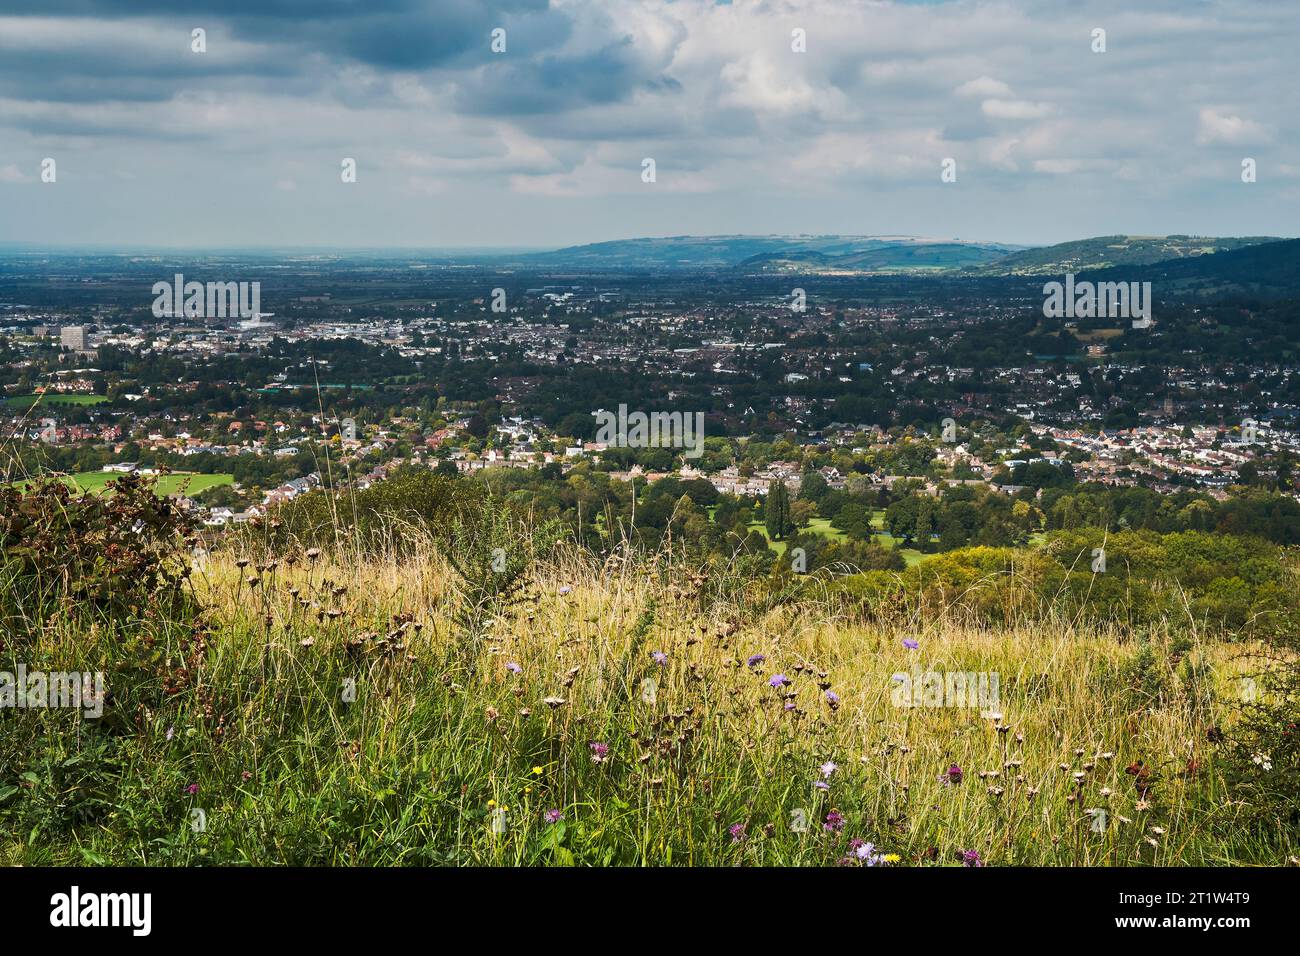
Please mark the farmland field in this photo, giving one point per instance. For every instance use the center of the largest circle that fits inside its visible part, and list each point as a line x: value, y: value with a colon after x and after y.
x: 21, y: 402
x: 187, y: 483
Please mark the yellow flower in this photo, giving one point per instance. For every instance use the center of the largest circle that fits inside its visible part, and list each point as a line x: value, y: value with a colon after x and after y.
x: 892, y: 857
x: 537, y: 771
x: 528, y: 789
x: 492, y: 803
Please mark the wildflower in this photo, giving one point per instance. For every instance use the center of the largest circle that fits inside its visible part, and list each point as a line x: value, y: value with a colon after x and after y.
x: 192, y: 789
x: 737, y: 831
x: 537, y: 771
x: 834, y: 822
x: 952, y: 775
x: 911, y: 644
x: 246, y: 775
x: 1142, y: 805
x: 970, y: 858
x: 660, y: 658
x: 490, y: 713
x: 778, y: 680
x: 867, y: 855
x: 514, y: 668
x: 756, y: 659
x: 552, y: 816
x: 821, y: 785
x: 171, y: 732
x: 833, y: 699
x: 553, y: 702
x: 599, y: 752
x: 566, y: 589
x: 1263, y: 760
x: 789, y: 705
x: 827, y: 769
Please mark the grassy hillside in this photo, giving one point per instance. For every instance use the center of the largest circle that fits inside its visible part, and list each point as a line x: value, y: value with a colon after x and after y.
x: 777, y: 253
x: 1106, y: 251
x: 414, y: 706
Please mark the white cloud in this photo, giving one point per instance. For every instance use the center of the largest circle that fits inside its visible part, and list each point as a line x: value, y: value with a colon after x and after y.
x: 983, y: 86
x: 1216, y: 126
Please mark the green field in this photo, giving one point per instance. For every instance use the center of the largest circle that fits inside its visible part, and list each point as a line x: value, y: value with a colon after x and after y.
x: 822, y: 526
x: 186, y: 483
x: 51, y: 398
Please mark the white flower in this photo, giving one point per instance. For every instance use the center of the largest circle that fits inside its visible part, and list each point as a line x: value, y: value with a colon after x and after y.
x: 1263, y: 760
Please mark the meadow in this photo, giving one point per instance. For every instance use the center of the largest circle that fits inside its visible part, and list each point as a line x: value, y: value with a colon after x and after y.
x: 23, y: 402
x: 175, y: 483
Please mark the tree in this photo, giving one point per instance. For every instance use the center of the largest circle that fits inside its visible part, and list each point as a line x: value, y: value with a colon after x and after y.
x: 776, y: 511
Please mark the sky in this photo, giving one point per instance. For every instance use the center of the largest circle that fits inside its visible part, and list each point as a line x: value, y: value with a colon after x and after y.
x: 544, y: 144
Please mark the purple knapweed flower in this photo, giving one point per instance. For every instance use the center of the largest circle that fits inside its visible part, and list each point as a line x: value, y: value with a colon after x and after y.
x: 660, y: 657
x: 192, y: 789
x: 834, y: 822
x: 737, y: 831
x: 514, y: 668
x: 971, y: 858
x: 756, y: 659
x: 552, y: 816
x: 833, y: 699
x: 911, y: 644
x: 599, y: 752
x: 778, y: 680
x: 952, y: 775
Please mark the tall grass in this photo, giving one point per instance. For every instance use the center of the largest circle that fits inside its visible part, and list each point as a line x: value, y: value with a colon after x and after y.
x: 326, y: 708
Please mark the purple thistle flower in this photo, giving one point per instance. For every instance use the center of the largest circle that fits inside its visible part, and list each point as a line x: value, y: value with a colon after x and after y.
x: 552, y: 816
x: 737, y: 831
x: 971, y: 858
x: 192, y: 789
x: 834, y: 822
x: 599, y: 751
x: 952, y: 775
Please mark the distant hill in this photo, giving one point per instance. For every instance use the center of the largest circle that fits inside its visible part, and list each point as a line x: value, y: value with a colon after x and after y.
x: 1106, y: 251
x: 1269, y: 270
x: 777, y: 254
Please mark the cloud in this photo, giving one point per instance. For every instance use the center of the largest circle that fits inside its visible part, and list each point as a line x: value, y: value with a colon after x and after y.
x: 544, y: 141
x: 983, y: 86
x: 1216, y: 126
x: 1015, y: 109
